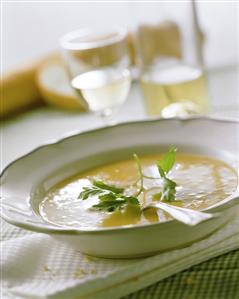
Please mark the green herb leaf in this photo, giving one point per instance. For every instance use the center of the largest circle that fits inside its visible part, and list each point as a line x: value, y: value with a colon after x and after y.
x: 89, y: 191
x: 161, y: 171
x: 110, y: 202
x: 108, y: 197
x: 131, y: 200
x: 110, y: 205
x: 102, y: 185
x: 168, y: 160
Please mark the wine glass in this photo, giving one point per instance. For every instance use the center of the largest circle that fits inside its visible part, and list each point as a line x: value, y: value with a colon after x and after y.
x: 169, y: 47
x: 97, y: 62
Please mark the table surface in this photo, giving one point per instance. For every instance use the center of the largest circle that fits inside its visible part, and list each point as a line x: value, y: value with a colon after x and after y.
x: 215, y: 279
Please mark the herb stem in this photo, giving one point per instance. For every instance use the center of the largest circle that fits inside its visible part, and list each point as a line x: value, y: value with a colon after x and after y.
x: 140, y: 172
x: 151, y: 177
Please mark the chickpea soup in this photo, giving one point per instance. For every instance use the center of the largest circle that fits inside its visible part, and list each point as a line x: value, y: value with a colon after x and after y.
x: 112, y: 195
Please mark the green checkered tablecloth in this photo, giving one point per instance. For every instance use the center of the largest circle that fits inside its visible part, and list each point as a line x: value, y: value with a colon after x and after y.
x: 217, y: 278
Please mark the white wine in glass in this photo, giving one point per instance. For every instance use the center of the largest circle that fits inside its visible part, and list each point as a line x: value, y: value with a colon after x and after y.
x: 103, y: 89
x: 176, y: 89
x: 169, y: 49
x: 98, y: 62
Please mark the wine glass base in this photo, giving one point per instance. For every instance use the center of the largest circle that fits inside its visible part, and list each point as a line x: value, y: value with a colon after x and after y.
x: 107, y: 115
x: 181, y: 109
x: 106, y: 112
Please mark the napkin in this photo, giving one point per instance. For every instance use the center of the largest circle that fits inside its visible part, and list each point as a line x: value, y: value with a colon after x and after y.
x: 36, y: 266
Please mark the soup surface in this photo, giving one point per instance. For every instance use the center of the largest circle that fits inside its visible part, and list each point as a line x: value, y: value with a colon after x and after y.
x: 201, y: 182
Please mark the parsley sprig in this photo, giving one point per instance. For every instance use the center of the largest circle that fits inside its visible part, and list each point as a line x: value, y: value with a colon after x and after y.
x: 112, y: 198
